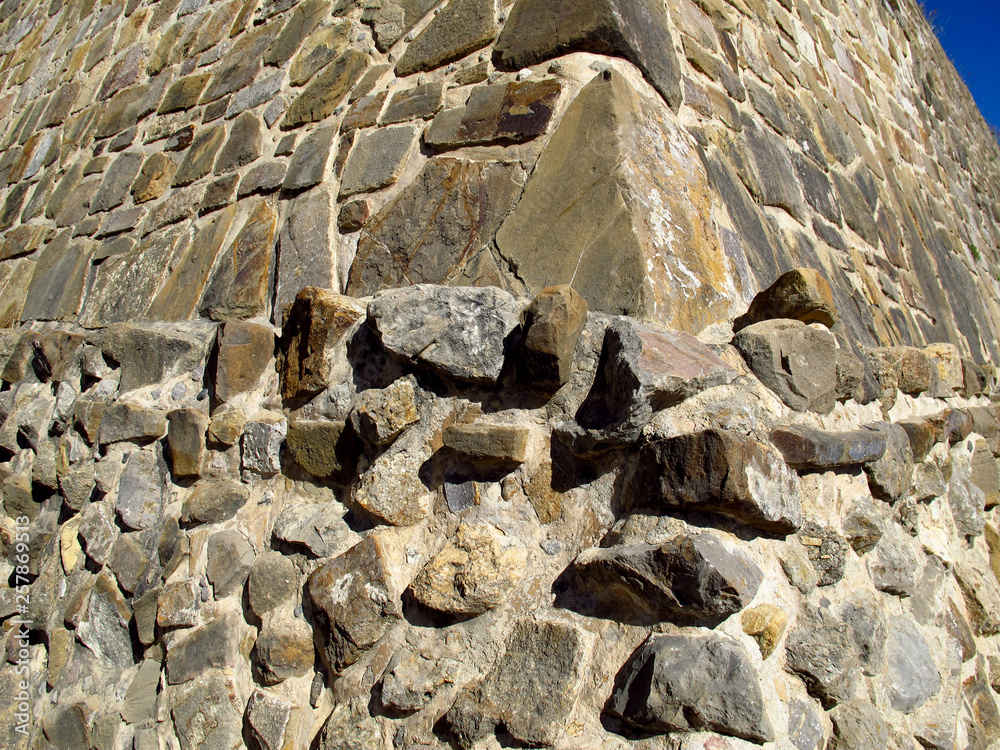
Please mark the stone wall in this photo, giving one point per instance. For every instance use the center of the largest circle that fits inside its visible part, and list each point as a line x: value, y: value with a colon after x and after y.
x: 402, y: 374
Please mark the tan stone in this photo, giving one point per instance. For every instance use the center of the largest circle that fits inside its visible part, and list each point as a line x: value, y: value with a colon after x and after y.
x: 766, y: 623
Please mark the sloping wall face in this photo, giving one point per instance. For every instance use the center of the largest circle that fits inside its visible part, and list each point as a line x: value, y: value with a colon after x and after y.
x: 426, y: 374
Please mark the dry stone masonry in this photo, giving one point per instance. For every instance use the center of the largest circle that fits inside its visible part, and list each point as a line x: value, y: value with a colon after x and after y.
x: 426, y: 374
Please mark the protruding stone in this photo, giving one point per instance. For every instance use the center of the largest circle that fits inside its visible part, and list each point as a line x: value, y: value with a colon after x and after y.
x: 800, y: 294
x: 904, y: 367
x: 308, y: 165
x: 285, y: 649
x: 720, y: 471
x: 391, y: 489
x: 269, y: 718
x: 262, y: 441
x: 245, y: 350
x: 314, y: 330
x: 890, y: 476
x: 475, y: 572
x: 183, y: 93
x: 922, y: 435
x: 230, y: 558
x: 377, y: 159
x: 688, y: 683
x: 141, y: 491
x: 150, y: 354
x: 117, y: 181
x: 689, y: 580
x: 178, y: 604
x: 462, y: 27
x: 214, y: 501
x: 353, y: 216
x: 314, y: 528
x: 380, y: 416
x: 766, y: 623
x: 982, y: 597
x: 327, y: 90
x: 458, y: 332
x: 947, y: 359
x: 186, y: 438
x: 819, y: 649
x: 357, y: 599
x: 273, y: 582
x: 321, y: 48
x: 320, y: 447
x: 200, y: 157
x: 226, y: 428
x: 531, y: 689
x: 485, y: 441
x: 795, y: 361
x: 827, y: 550
x: 123, y: 422
x: 809, y: 448
x: 215, y: 645
x: 553, y: 324
x: 538, y: 30
x: 245, y: 144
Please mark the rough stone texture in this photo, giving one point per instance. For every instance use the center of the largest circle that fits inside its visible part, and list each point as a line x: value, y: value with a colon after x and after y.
x: 794, y: 360
x: 719, y: 471
x: 459, y: 332
x: 891, y: 475
x: 321, y: 448
x: 327, y: 90
x: 214, y: 501
x: 820, y: 650
x: 857, y: 725
x: 245, y: 350
x: 912, y: 675
x: 800, y: 294
x: 688, y: 580
x: 308, y: 165
x: 484, y: 441
x: 186, y: 437
x: 766, y: 623
x: 230, y: 558
x: 377, y: 159
x: 809, y: 448
x: 150, y: 354
x: 553, y: 324
x: 208, y: 713
x: 462, y: 27
x: 685, y: 683
x: 380, y: 416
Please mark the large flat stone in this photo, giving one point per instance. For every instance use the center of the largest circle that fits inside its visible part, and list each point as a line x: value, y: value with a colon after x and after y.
x: 327, y: 90
x: 57, y: 284
x: 308, y: 165
x: 377, y: 159
x: 811, y: 448
x: 150, y: 353
x: 462, y: 27
x: 117, y: 181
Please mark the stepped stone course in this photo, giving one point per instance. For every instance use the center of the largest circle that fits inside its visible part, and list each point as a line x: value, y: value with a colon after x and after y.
x: 426, y: 374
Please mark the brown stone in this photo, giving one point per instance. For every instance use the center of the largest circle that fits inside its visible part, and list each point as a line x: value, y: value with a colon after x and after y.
x: 320, y: 447
x: 484, y: 441
x: 199, y: 159
x: 553, y: 324
x: 327, y: 90
x: 800, y: 294
x: 766, y: 623
x: 353, y: 216
x: 320, y: 49
x: 462, y: 27
x: 245, y: 350
x: 419, y: 102
x: 183, y: 94
x: 186, y: 438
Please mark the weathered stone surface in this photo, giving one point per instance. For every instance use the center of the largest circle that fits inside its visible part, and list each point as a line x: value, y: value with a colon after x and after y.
x: 640, y: 32
x: 117, y: 181
x: 306, y: 16
x: 284, y: 650
x: 486, y: 441
x: 413, y: 680
x: 316, y: 528
x: 241, y: 285
x: 327, y: 90
x: 380, y: 416
x: 230, y: 558
x: 475, y: 572
x: 150, y: 354
x: 810, y: 448
x: 690, y: 683
x: 766, y: 623
x: 390, y: 21
x: 364, y: 113
x: 800, y: 294
x: 911, y: 675
x: 183, y: 93
x: 583, y: 218
x: 377, y: 159
x: 986, y: 472
x: 208, y: 713
x: 261, y: 442
x: 947, y: 359
x: 214, y: 501
x: 531, y: 689
x: 141, y: 491
x: 458, y: 332
x: 140, y: 700
x: 462, y: 27
x: 795, y: 361
x: 177, y: 605
x: 436, y: 225
x: 890, y: 476
x: 857, y: 725
x: 982, y: 597
x: 58, y: 280
x: 186, y: 437
x: 243, y: 62
x: 245, y: 350
x: 263, y: 178
x: 689, y: 580
x: 819, y: 649
x: 320, y: 447
x: 720, y: 471
x: 320, y: 49
x: 215, y: 645
x: 922, y: 435
x: 967, y: 503
x: 268, y: 717
x: 357, y: 599
x: 200, y: 157
x: 827, y: 550
x: 127, y: 422
x: 420, y: 102
x: 910, y: 367
x: 273, y: 581
x: 862, y: 527
x: 391, y: 488
x: 245, y: 144
x: 308, y: 165
x: 553, y: 324
x: 315, y: 328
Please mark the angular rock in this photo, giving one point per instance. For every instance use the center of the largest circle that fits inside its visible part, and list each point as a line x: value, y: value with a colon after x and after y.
x: 804, y: 728
x: 187, y: 442
x: 458, y: 332
x: 809, y: 448
x: 285, y: 650
x: 208, y: 713
x: 911, y: 368
x: 421, y: 102
x: 150, y: 354
x: 531, y: 689
x: 127, y: 422
x: 230, y: 558
x: 117, y: 181
x: 800, y: 294
x: 268, y: 717
x: 391, y: 489
x: 306, y: 16
x: 245, y: 350
x: 553, y: 324
x: 320, y: 49
x: 986, y: 472
x: 308, y: 165
x: 689, y: 580
x: 273, y: 581
x: 436, y: 226
x: 922, y: 435
x: 243, y: 62
x: 57, y: 284
x: 820, y: 650
x: 890, y: 476
x: 200, y: 157
x: 183, y: 93
x: 982, y: 597
x: 475, y: 572
x: 485, y: 441
x: 538, y: 30
x: 315, y: 528
x: 322, y: 448
x: 261, y: 443
x: 214, y: 501
x: 412, y: 680
x: 141, y: 491
x: 766, y: 624
x: 582, y: 220
x: 720, y: 471
x: 380, y: 416
x: 353, y: 216
x: 692, y: 683
x: 377, y: 159
x: 827, y: 550
x: 795, y: 361
x: 947, y: 360
x: 357, y: 599
x: 215, y: 645
x: 327, y: 90
x: 967, y: 503
x: 177, y: 605
x: 461, y: 28
x: 857, y: 725
x: 140, y: 700
x: 315, y: 329
x: 364, y: 113
x: 245, y: 144
x: 911, y: 676
x: 862, y: 527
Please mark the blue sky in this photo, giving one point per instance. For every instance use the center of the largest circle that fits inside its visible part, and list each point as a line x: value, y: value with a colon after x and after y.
x: 969, y: 31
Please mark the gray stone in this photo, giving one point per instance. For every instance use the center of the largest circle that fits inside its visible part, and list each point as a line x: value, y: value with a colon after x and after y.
x: 117, y: 181
x: 412, y: 680
x: 487, y: 441
x: 857, y: 213
x: 308, y: 165
x: 531, y: 689
x: 273, y: 581
x: 242, y: 63
x: 538, y: 30
x: 986, y: 471
x: 692, y: 683
x: 208, y: 713
x: 356, y: 599
x: 244, y: 352
x: 200, y: 157
x: 284, y: 649
x: 809, y: 448
x: 268, y: 717
x: 820, y: 650
x: 306, y: 16
x: 320, y: 49
x: 390, y: 21
x: 458, y: 332
x: 982, y: 597
x: 690, y: 580
x: 862, y: 527
x: 462, y: 27
x: 800, y: 294
x: 377, y: 159
x: 894, y: 564
x: 57, y: 284
x: 827, y: 550
x: 150, y: 354
x: 805, y: 731
x: 553, y: 324
x: 890, y: 476
x: 857, y: 725
x: 327, y: 90
x: 773, y: 166
x: 263, y: 178
x: 66, y: 726
x: 140, y: 700
x: 720, y: 471
x: 912, y: 677
x: 178, y: 604
x: 230, y: 558
x: 183, y: 93
x: 364, y: 113
x: 123, y: 422
x: 795, y: 361
x: 215, y: 645
x: 214, y: 501
x: 967, y: 503
x: 262, y: 91
x: 261, y: 445
x: 316, y: 528
x: 420, y: 102
x: 381, y: 415
x: 392, y: 488
x: 868, y: 630
x: 133, y: 560
x: 142, y: 491
x: 245, y: 144
x: 98, y: 530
